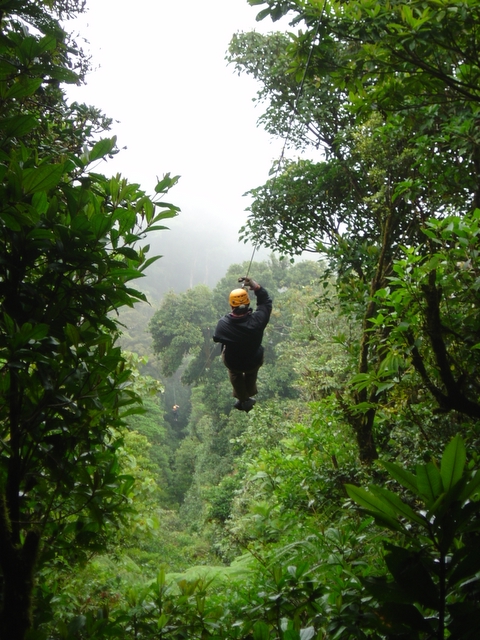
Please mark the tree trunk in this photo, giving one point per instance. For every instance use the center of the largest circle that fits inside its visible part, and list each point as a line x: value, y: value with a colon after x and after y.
x: 17, y: 563
x: 363, y: 427
x: 362, y: 421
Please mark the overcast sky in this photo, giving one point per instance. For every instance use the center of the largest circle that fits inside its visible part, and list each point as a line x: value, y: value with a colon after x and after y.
x: 159, y: 71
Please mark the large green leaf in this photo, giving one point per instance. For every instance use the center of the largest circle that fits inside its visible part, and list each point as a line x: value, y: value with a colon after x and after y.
x: 166, y: 183
x: 43, y: 178
x: 453, y: 462
x: 380, y: 508
x: 29, y: 48
x: 7, y: 69
x: 102, y: 148
x: 73, y: 334
x: 40, y: 202
x: 62, y: 74
x: 148, y: 262
x: 261, y: 631
x: 18, y: 126
x: 466, y: 563
x: 398, y: 506
x: 25, y: 87
x: 404, y: 477
x: 47, y: 43
x: 409, y: 572
x: 171, y: 213
x: 101, y: 224
x: 429, y: 482
x: 471, y: 488
x: 10, y: 221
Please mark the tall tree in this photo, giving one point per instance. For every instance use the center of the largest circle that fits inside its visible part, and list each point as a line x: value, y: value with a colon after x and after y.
x: 389, y: 94
x: 68, y: 241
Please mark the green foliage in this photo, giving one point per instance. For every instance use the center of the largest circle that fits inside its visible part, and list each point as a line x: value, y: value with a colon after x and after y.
x: 294, y: 473
x: 433, y: 574
x: 302, y: 590
x: 321, y: 341
x: 389, y: 326
x: 220, y: 498
x: 326, y: 583
x: 394, y: 107
x: 163, y: 608
x: 430, y: 313
x: 184, y: 467
x: 70, y: 249
x: 183, y: 325
x: 205, y: 474
x: 162, y: 443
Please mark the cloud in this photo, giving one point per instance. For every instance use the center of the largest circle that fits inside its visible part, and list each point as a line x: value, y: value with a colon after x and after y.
x: 159, y: 70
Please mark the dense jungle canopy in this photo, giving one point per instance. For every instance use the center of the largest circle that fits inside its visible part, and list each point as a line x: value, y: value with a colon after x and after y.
x: 346, y: 504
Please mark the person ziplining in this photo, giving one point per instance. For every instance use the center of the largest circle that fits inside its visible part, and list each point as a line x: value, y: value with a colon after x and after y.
x: 240, y: 333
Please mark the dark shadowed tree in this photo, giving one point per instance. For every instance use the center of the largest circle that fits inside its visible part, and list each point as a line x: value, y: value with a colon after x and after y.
x: 69, y: 248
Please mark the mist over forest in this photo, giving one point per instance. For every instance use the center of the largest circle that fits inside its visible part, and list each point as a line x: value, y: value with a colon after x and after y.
x: 197, y: 248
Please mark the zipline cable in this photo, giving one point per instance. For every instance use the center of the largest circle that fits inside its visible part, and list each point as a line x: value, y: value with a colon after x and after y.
x: 290, y: 124
x: 251, y: 260
x: 282, y: 155
x: 277, y: 169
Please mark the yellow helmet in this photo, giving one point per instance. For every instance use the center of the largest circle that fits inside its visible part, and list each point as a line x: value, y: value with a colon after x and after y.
x: 238, y: 297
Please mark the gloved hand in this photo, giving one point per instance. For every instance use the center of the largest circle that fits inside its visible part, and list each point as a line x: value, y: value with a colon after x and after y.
x: 249, y: 282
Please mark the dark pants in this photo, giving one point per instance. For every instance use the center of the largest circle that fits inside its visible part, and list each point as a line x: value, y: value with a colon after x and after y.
x: 244, y: 383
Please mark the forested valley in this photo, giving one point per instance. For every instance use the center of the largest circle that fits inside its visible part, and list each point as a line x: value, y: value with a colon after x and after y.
x: 136, y: 503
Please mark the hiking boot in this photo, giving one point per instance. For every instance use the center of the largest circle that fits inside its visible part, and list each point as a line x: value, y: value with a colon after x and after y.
x: 248, y: 404
x: 238, y: 405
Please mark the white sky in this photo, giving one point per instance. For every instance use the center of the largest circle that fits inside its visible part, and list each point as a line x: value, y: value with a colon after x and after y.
x: 159, y: 70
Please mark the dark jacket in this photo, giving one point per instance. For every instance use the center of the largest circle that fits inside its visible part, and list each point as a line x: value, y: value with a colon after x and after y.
x: 241, y: 336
